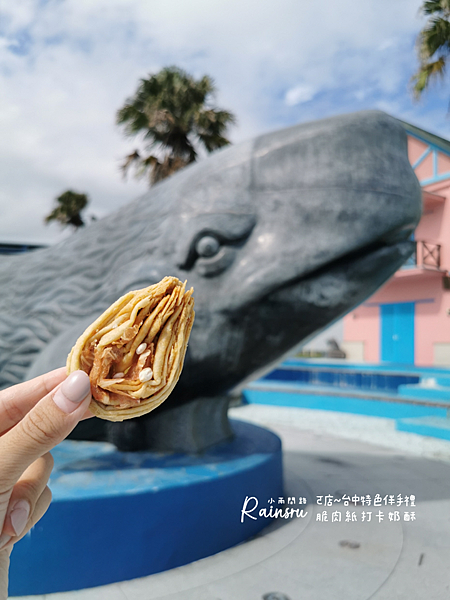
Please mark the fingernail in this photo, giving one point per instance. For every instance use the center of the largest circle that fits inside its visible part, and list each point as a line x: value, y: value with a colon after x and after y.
x: 74, y: 389
x: 4, y: 539
x: 19, y: 516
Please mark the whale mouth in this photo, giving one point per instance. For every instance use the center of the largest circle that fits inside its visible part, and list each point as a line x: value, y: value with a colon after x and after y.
x: 387, y: 253
x: 392, y: 246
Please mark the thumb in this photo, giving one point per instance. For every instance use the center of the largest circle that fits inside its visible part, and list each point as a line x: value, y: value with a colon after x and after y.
x: 43, y: 427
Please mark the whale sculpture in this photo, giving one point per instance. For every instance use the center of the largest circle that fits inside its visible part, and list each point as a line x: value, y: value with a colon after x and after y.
x: 279, y: 236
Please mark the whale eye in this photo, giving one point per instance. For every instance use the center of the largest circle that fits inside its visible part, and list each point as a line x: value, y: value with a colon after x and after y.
x: 207, y: 246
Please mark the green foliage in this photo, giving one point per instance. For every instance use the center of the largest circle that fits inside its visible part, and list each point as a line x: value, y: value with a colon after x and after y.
x: 436, y: 6
x: 433, y: 45
x: 68, y: 210
x: 172, y: 112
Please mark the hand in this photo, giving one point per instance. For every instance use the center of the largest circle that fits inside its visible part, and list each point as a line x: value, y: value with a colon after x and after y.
x: 34, y: 417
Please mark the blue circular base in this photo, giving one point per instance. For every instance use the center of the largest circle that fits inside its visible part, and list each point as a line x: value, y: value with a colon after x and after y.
x: 117, y: 515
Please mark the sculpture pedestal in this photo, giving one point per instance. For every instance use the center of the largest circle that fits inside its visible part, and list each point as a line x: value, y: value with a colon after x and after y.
x: 118, y: 515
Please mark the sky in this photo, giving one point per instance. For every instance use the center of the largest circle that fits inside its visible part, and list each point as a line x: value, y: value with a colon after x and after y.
x: 67, y: 66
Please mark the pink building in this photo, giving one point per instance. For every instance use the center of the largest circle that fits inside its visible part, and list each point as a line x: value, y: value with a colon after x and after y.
x: 408, y: 320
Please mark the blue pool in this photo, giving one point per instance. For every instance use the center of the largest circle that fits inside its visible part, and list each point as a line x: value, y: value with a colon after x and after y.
x: 411, y: 395
x: 347, y: 377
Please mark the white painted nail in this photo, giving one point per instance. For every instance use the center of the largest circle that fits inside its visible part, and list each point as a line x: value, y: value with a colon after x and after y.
x: 19, y: 516
x: 72, y: 392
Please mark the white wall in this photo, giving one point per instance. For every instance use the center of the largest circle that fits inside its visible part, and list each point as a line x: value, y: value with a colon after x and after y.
x: 319, y: 342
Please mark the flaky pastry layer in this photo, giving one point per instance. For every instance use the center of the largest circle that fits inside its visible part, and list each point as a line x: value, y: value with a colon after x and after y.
x: 134, y: 352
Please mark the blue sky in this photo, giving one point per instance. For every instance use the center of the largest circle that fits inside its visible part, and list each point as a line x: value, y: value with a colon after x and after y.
x: 66, y: 66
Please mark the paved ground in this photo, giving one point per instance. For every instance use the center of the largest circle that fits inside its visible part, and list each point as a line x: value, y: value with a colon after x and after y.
x: 328, y: 453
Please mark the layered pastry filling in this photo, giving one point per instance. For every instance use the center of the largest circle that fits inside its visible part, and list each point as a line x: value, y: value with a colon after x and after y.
x: 134, y: 352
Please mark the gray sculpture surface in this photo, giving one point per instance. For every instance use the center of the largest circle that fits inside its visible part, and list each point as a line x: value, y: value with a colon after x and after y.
x: 279, y: 236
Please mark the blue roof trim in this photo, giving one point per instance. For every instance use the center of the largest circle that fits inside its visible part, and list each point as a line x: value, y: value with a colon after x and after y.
x: 421, y: 157
x: 434, y: 149
x: 435, y: 179
x: 427, y: 142
x: 431, y: 146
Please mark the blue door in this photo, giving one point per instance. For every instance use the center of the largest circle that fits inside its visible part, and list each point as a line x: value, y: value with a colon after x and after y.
x: 397, y: 332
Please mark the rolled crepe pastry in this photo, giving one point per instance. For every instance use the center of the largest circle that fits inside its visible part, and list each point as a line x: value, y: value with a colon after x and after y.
x: 134, y: 352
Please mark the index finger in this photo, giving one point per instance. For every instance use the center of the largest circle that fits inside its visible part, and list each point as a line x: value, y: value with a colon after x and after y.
x: 18, y: 400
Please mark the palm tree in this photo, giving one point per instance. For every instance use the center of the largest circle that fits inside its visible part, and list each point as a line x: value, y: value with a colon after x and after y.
x: 433, y: 44
x: 68, y: 211
x: 173, y: 112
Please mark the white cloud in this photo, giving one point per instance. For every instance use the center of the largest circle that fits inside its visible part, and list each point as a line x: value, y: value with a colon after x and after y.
x: 387, y: 45
x: 67, y: 66
x: 299, y: 94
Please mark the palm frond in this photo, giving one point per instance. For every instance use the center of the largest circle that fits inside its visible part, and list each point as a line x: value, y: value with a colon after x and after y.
x: 426, y: 73
x: 169, y: 166
x: 430, y: 7
x: 211, y: 125
x: 132, y: 118
x: 171, y: 109
x: 434, y: 37
x: 131, y: 159
x: 433, y: 45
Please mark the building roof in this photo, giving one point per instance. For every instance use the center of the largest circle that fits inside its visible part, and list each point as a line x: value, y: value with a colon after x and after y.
x: 426, y: 136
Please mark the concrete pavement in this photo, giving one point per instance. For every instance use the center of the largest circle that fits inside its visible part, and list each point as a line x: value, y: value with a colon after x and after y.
x: 328, y: 454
